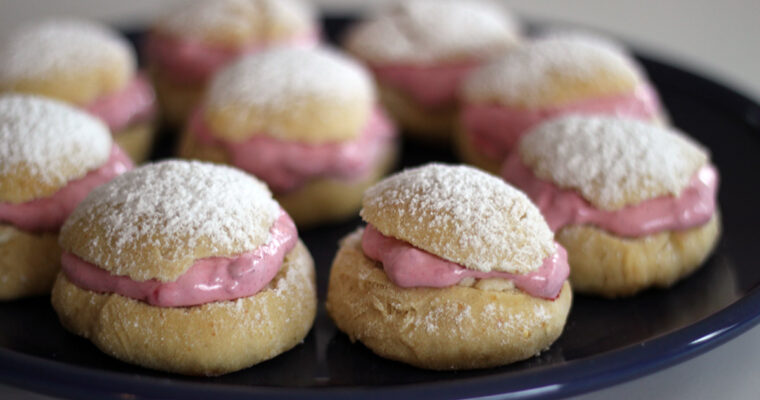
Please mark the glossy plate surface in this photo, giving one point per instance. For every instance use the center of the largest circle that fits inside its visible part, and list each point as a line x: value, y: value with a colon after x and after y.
x: 604, y: 342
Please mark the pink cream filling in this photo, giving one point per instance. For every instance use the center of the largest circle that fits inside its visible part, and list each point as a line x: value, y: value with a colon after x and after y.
x: 430, y: 86
x: 188, y: 61
x: 47, y: 214
x: 408, y: 266
x: 495, y: 130
x: 134, y: 103
x: 561, y: 207
x: 208, y: 279
x: 286, y: 165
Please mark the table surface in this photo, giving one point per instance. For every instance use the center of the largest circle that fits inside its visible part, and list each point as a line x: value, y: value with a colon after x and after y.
x: 722, y: 42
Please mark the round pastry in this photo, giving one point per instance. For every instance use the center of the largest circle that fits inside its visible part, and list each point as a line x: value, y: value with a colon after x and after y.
x: 51, y: 156
x: 454, y: 270
x: 187, y: 46
x: 633, y: 203
x: 302, y: 120
x: 185, y: 267
x: 87, y: 65
x: 421, y: 50
x: 548, y: 77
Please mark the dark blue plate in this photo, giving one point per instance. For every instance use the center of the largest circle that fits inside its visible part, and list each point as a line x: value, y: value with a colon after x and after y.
x: 605, y: 342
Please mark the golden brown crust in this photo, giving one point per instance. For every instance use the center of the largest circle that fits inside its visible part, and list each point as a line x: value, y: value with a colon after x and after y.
x: 433, y: 126
x: 210, y: 339
x: 136, y: 140
x: 611, y: 266
x: 28, y: 262
x: 450, y: 328
x: 321, y: 200
x: 467, y: 152
x: 176, y: 101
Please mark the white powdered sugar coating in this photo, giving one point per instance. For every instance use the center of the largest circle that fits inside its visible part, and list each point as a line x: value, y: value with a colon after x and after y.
x: 61, y: 45
x: 526, y: 74
x: 611, y: 160
x: 278, y: 78
x: 174, y: 206
x: 424, y: 31
x: 50, y: 140
x: 203, y: 18
x: 466, y: 216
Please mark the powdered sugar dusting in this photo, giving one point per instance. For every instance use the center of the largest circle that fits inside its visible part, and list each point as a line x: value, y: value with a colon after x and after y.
x: 465, y: 215
x: 524, y: 76
x: 51, y: 141
x: 278, y: 78
x: 59, y: 45
x: 612, y: 161
x: 203, y: 18
x: 173, y: 207
x: 423, y: 31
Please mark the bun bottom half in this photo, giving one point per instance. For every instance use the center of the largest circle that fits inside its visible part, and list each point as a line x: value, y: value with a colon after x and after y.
x: 29, y: 262
x: 176, y: 101
x: 438, y: 328
x: 136, y: 140
x: 611, y: 266
x: 319, y: 201
x: 417, y: 122
x: 209, y: 339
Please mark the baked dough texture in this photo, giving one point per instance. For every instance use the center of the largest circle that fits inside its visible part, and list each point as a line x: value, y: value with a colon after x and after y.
x: 425, y: 125
x: 237, y: 23
x: 612, y: 162
x: 316, y: 202
x: 28, y: 262
x: 210, y: 339
x: 611, y: 266
x: 136, y: 140
x: 72, y: 60
x: 466, y: 151
x: 312, y: 95
x: 153, y: 222
x: 554, y: 71
x: 44, y: 144
x: 421, y: 32
x: 438, y: 328
x: 463, y: 215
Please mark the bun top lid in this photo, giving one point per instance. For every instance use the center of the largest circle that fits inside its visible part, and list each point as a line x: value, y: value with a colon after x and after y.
x: 463, y: 215
x: 612, y: 162
x: 153, y: 222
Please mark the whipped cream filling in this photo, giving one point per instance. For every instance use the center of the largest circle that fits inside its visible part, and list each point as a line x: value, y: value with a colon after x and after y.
x: 207, y: 280
x: 193, y: 62
x: 433, y: 86
x: 135, y: 103
x: 48, y: 214
x: 495, y: 130
x: 288, y: 165
x: 407, y: 266
x: 693, y: 207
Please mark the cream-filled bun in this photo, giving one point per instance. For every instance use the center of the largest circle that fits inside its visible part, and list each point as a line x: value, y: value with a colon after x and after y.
x: 87, y: 65
x: 185, y: 267
x: 51, y: 156
x: 454, y: 270
x: 546, y: 78
x: 188, y: 44
x: 305, y: 121
x: 421, y: 50
x: 633, y: 203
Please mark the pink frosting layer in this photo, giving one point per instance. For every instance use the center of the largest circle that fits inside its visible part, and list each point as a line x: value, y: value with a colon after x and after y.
x: 495, y: 129
x: 408, y: 266
x: 189, y: 61
x: 208, y: 279
x: 430, y: 86
x: 135, y: 103
x: 286, y: 165
x: 693, y: 207
x: 47, y: 214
